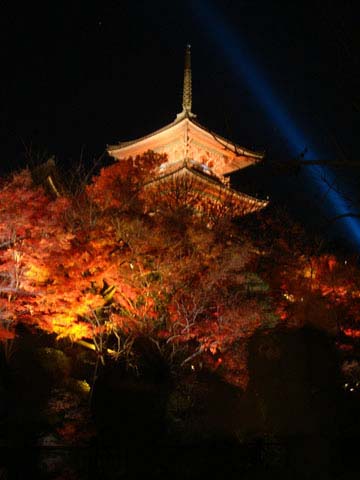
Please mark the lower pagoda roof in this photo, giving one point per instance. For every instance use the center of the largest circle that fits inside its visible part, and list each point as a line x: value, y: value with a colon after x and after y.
x: 201, y: 182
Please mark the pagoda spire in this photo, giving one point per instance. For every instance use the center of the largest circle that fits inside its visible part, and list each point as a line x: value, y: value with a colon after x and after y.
x: 187, y: 87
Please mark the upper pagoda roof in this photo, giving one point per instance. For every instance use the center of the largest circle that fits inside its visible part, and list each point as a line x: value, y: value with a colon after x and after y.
x: 186, y: 139
x: 181, y: 120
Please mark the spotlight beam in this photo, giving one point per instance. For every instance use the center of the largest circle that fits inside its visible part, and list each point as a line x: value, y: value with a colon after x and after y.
x: 226, y: 38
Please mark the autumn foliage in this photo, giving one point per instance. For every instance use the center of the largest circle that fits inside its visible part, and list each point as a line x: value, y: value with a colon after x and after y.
x: 103, y: 267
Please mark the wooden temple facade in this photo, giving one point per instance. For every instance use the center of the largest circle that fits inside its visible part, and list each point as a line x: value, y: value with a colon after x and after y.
x: 195, y: 155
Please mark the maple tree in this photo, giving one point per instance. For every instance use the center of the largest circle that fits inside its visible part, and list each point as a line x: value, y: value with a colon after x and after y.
x: 309, y: 286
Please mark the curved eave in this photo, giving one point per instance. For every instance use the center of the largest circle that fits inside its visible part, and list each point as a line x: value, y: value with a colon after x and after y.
x: 128, y: 143
x: 223, y: 142
x: 253, y: 204
x: 228, y: 144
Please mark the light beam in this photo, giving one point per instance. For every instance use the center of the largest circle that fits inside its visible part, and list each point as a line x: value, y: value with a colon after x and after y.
x: 229, y: 40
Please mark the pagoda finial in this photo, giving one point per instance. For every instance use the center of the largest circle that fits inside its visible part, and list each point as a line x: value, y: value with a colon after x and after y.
x: 187, y: 88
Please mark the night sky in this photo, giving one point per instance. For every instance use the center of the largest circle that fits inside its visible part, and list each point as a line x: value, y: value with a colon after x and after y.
x: 79, y: 75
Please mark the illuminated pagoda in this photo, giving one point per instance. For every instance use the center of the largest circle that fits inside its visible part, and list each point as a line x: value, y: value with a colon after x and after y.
x: 195, y: 155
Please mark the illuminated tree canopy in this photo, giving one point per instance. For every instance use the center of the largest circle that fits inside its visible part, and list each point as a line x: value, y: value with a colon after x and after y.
x: 106, y: 266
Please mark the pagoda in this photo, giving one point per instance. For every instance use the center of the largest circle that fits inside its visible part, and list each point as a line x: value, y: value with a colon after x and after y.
x: 196, y: 155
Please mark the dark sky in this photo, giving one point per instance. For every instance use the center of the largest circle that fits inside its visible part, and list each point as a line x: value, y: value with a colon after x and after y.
x: 79, y: 75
